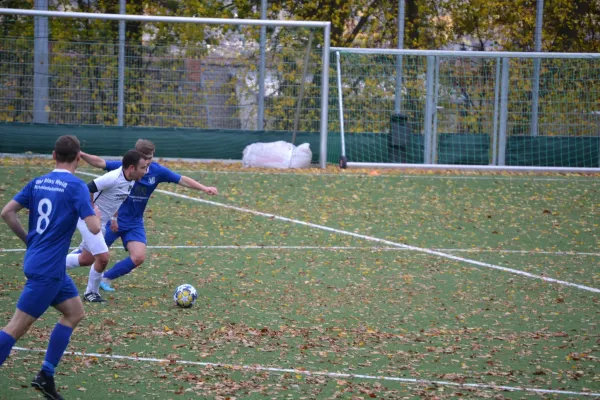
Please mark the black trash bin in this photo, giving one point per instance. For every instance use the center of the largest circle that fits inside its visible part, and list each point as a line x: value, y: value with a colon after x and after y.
x: 398, y: 139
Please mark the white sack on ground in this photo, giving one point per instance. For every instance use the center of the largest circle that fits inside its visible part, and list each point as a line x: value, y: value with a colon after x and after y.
x: 279, y: 154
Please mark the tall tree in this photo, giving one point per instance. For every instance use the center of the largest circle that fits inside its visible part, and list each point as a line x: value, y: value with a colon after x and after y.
x: 362, y: 23
x: 568, y: 25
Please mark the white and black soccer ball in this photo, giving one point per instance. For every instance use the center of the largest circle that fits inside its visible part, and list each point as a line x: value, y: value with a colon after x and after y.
x: 185, y: 295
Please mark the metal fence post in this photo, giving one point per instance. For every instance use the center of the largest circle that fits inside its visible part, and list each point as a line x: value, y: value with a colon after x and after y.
x: 325, y: 96
x: 40, y: 66
x: 341, y: 106
x: 398, y: 92
x: 535, y: 95
x: 503, y: 112
x: 495, y: 121
x: 261, y: 68
x: 429, y: 108
x: 436, y: 87
x: 121, y: 69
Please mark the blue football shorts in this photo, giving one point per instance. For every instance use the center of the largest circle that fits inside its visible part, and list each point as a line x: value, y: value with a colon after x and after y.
x: 135, y: 234
x: 41, y: 292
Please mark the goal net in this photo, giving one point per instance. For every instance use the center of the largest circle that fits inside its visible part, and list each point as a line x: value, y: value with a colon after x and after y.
x: 467, y: 109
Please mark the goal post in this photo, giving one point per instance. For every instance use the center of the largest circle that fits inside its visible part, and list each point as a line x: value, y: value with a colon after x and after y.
x: 468, y: 110
x: 210, y: 84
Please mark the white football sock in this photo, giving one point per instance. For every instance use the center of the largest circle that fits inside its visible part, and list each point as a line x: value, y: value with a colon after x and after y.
x: 72, y: 261
x: 93, y: 281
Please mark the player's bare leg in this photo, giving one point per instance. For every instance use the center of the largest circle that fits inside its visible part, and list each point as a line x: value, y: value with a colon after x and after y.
x: 19, y: 324
x: 72, y: 312
x: 137, y: 252
x: 137, y: 256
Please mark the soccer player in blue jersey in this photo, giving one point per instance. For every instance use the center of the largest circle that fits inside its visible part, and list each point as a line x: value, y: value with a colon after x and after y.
x: 129, y: 225
x: 55, y: 202
x: 109, y: 192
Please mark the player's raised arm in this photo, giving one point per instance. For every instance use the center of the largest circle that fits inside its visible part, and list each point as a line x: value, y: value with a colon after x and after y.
x: 93, y: 160
x: 9, y: 214
x: 193, y: 184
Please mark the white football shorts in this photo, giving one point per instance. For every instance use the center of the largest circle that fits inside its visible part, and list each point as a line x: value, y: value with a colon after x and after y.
x: 95, y: 244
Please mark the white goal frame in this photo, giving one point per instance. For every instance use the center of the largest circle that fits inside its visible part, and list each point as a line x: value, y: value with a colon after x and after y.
x: 500, y: 111
x: 326, y: 26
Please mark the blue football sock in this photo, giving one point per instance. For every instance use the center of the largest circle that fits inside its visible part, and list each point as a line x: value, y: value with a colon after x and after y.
x: 6, y: 344
x: 121, y: 268
x: 59, y: 340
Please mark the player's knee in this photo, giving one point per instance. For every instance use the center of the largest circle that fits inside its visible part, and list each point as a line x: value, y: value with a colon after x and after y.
x: 101, y: 262
x: 138, y: 259
x: 75, y: 317
x: 86, y: 259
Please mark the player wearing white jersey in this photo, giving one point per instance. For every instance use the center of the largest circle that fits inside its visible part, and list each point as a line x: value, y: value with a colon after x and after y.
x: 108, y: 193
x: 113, y: 189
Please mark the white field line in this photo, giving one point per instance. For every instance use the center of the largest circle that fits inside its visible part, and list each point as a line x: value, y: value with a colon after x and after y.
x: 260, y: 368
x: 348, y: 248
x: 593, y: 179
x: 377, y: 240
x: 375, y: 249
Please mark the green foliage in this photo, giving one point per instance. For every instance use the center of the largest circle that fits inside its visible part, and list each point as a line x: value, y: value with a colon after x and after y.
x: 568, y: 26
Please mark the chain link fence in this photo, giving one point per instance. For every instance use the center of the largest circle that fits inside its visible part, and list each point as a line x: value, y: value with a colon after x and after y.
x: 209, y: 86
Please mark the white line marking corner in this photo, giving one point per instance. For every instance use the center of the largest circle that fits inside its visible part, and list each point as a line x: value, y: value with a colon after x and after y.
x: 260, y: 368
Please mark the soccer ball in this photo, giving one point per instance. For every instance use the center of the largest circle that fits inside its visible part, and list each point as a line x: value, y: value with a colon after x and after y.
x: 185, y: 296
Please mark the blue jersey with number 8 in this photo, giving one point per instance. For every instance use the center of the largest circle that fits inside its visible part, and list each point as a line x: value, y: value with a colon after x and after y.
x: 55, y: 202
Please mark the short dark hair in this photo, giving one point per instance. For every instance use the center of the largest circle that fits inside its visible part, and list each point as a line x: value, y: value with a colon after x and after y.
x: 145, y: 146
x: 66, y: 148
x: 133, y: 157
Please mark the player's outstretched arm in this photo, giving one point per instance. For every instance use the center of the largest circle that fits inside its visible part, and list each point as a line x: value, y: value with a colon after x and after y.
x: 192, y: 184
x: 93, y: 160
x: 9, y: 215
